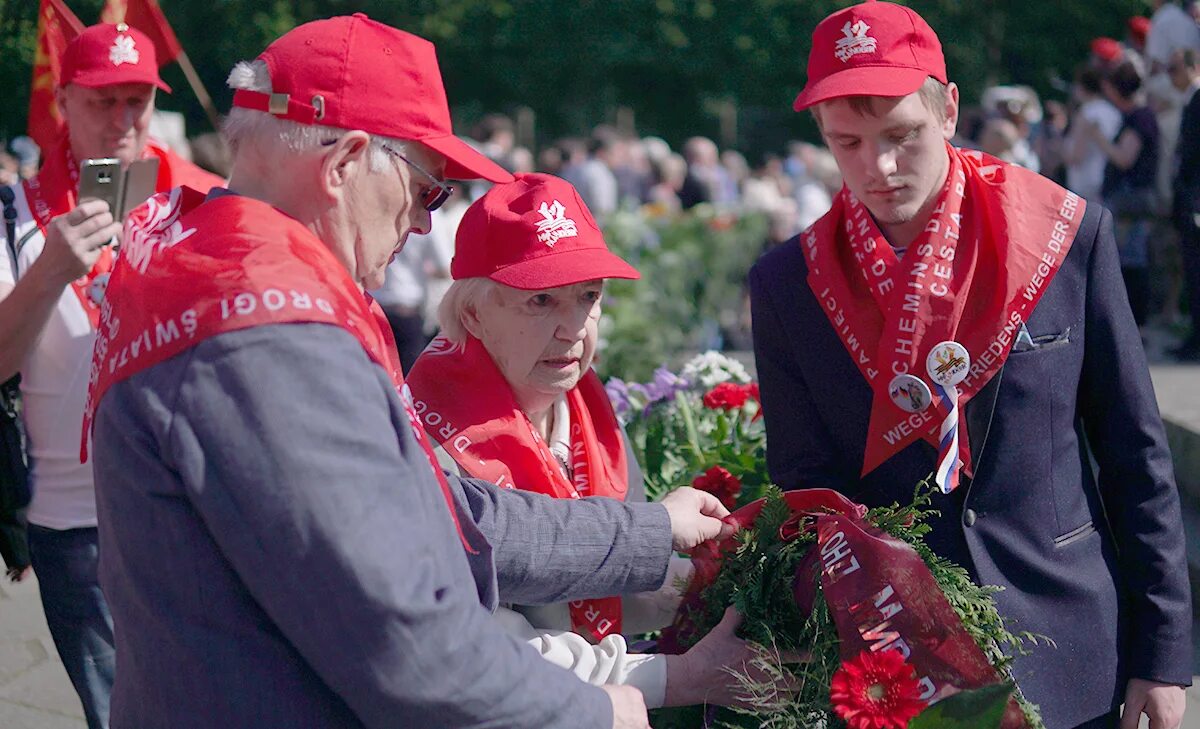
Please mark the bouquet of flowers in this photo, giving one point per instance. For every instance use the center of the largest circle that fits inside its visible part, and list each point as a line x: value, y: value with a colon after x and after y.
x: 893, y: 636
x: 701, y: 427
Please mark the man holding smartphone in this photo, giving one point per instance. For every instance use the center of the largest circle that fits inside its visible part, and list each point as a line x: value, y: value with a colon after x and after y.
x: 54, y: 267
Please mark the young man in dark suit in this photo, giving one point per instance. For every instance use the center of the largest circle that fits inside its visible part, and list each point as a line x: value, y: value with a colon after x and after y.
x: 959, y: 316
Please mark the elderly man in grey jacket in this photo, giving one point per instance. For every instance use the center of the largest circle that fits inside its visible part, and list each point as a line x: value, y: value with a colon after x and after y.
x: 276, y: 545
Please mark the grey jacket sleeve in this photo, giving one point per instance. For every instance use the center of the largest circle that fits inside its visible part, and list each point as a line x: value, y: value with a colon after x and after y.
x: 289, y: 443
x: 550, y: 550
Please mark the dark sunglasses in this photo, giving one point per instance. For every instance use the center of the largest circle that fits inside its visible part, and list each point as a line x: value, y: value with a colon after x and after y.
x: 432, y: 198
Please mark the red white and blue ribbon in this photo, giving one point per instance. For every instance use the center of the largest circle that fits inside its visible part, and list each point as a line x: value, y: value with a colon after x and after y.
x: 948, y: 463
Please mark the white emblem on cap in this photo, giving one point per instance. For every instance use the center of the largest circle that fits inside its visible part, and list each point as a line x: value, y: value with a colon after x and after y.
x: 123, y: 51
x: 555, y: 225
x: 856, y: 41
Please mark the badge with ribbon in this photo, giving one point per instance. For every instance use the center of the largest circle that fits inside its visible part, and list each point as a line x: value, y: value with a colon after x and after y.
x: 948, y: 364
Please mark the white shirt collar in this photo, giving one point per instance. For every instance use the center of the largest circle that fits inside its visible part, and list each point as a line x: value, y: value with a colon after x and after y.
x: 560, y: 433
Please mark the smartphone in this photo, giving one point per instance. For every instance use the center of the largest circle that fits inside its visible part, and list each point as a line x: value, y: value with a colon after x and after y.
x: 102, y: 179
x: 123, y: 190
x: 141, y: 178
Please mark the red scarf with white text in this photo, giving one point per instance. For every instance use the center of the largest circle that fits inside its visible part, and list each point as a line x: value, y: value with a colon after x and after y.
x: 191, y: 269
x: 466, y: 405
x: 997, y: 236
x: 51, y: 193
x: 54, y: 190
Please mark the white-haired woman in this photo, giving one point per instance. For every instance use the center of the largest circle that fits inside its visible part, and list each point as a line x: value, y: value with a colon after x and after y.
x: 509, y: 393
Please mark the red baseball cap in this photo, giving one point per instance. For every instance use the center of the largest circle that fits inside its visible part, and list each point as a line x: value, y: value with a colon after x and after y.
x: 534, y: 233
x: 356, y: 73
x: 1106, y: 49
x: 108, y: 54
x: 1139, y: 26
x: 871, y: 49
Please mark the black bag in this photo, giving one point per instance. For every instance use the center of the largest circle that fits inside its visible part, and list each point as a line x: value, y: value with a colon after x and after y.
x: 15, y: 491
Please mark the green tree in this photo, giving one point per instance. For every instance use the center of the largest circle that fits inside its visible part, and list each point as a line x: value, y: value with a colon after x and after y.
x: 678, y: 64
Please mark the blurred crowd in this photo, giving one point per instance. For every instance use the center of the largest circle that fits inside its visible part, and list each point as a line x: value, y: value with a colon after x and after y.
x: 1114, y: 137
x: 1128, y: 137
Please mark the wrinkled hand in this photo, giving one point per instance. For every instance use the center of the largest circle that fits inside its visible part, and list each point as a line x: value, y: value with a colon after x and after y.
x: 1162, y: 702
x: 702, y: 675
x: 695, y: 518
x: 629, y: 707
x: 74, y: 240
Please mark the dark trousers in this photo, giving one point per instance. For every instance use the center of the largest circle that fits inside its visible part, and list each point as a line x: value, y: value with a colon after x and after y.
x: 1133, y: 248
x: 1189, y: 249
x: 66, y: 562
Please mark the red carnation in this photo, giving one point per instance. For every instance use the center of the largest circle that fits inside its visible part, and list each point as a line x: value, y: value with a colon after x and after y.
x: 726, y: 396
x: 876, y: 691
x: 720, y: 483
x: 752, y: 391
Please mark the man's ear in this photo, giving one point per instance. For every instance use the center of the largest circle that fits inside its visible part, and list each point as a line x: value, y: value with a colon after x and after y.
x: 343, y: 160
x: 60, y: 98
x: 950, y: 125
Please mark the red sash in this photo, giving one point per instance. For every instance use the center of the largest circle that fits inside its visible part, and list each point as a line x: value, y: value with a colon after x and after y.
x: 175, y: 171
x: 466, y: 405
x: 244, y: 265
x: 53, y: 192
x: 888, y: 312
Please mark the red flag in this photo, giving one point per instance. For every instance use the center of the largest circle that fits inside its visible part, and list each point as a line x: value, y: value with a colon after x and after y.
x: 57, y: 25
x: 146, y: 16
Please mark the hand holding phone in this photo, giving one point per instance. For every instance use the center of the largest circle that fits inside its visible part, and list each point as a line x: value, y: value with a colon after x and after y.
x: 74, y: 240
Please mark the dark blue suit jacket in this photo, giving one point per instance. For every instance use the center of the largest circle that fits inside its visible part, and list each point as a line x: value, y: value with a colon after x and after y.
x: 1073, y: 509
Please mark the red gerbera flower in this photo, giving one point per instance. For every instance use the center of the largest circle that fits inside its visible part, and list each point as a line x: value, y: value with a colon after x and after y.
x: 726, y: 396
x: 876, y: 691
x: 720, y: 483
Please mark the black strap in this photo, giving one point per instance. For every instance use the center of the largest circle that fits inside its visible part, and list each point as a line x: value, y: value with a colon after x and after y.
x: 10, y: 226
x: 14, y: 469
x: 8, y: 389
x: 8, y: 198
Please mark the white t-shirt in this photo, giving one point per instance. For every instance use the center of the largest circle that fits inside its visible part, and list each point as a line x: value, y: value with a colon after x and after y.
x: 1171, y: 28
x: 1087, y: 176
x: 54, y: 380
